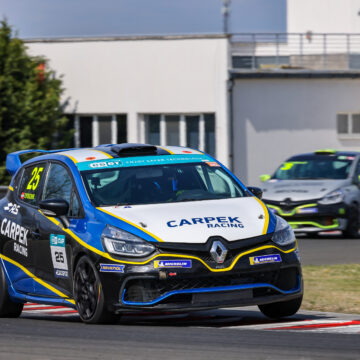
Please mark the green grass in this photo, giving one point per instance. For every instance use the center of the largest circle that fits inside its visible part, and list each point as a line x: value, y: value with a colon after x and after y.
x: 334, y: 288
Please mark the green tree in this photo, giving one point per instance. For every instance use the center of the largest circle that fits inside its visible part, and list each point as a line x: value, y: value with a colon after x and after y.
x: 31, y: 112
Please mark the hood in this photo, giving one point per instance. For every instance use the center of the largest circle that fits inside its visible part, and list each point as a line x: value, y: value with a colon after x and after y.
x: 299, y: 190
x: 195, y: 221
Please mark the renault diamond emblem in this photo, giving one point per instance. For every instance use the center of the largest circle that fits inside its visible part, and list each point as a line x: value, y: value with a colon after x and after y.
x: 218, y: 252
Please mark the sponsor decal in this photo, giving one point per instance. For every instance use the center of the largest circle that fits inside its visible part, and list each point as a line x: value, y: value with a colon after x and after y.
x: 12, y: 208
x: 210, y: 222
x: 17, y: 233
x: 27, y: 196
x: 212, y: 164
x: 142, y: 161
x: 307, y: 211
x: 58, y: 255
x: 185, y: 264
x: 61, y: 273
x: 112, y: 268
x: 22, y: 196
x: 265, y: 259
x: 105, y: 164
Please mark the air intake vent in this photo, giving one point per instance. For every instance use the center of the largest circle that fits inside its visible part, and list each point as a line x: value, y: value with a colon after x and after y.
x: 127, y: 150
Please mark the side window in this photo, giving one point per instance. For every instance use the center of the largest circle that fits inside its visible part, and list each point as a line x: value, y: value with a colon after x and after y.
x: 58, y: 184
x: 75, y: 208
x: 357, y: 173
x: 29, y: 185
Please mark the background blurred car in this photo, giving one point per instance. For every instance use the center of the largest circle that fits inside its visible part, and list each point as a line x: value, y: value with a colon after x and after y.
x: 317, y: 191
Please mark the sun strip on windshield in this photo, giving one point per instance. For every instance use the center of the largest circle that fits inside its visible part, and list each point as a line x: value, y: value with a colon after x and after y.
x: 141, y: 161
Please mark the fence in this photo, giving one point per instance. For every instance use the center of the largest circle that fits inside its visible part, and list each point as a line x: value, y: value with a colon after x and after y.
x: 279, y: 51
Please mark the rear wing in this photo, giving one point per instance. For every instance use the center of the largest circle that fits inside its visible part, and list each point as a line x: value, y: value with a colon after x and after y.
x: 13, y: 161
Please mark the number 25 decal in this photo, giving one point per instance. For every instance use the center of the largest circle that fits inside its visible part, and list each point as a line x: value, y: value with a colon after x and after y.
x: 34, y: 182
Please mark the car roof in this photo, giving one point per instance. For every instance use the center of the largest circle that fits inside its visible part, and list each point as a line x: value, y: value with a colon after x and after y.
x: 326, y: 152
x: 101, y: 152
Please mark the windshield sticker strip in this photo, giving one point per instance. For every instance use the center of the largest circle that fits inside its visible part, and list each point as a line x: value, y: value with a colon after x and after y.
x: 142, y: 161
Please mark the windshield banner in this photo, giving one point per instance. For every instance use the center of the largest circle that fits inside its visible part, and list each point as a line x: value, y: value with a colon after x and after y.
x: 142, y: 161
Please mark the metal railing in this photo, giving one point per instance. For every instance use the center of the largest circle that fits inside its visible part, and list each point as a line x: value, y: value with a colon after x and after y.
x: 295, y: 51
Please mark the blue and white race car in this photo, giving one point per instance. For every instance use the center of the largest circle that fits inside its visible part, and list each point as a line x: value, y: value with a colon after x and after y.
x: 128, y: 227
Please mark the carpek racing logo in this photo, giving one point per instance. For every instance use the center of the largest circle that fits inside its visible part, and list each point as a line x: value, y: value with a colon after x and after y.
x: 17, y: 233
x: 12, y: 208
x: 210, y: 222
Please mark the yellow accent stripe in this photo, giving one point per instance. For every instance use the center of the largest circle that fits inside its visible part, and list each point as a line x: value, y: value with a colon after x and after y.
x: 266, y: 213
x: 161, y: 147
x: 71, y: 157
x: 11, y: 188
x: 43, y: 283
x: 106, y: 255
x: 131, y: 223
x: 104, y: 153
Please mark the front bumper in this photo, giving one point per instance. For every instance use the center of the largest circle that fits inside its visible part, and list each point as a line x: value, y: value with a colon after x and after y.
x: 204, y: 285
x: 307, y: 217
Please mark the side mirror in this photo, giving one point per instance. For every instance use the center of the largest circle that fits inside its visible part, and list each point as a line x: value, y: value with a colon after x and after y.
x: 256, y: 191
x: 265, y: 178
x: 56, y: 208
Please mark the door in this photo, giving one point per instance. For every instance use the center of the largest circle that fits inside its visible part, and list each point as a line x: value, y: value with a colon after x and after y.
x: 54, y: 249
x: 17, y: 228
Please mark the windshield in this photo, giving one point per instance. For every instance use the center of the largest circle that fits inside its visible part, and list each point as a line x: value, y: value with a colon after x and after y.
x: 315, y: 167
x: 160, y: 184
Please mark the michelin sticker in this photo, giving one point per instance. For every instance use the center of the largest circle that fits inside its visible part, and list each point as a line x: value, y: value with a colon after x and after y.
x: 58, y: 255
x: 265, y: 259
x: 210, y: 222
x: 17, y: 233
x: 12, y: 208
x: 114, y: 268
x: 186, y: 264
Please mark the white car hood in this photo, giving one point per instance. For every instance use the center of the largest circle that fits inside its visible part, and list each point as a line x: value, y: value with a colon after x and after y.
x: 194, y: 222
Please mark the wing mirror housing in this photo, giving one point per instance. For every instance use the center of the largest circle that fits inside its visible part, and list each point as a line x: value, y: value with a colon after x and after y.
x: 256, y: 191
x: 56, y: 208
x: 265, y: 177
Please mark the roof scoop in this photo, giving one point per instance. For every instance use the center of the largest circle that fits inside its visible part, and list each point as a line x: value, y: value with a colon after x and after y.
x: 126, y: 150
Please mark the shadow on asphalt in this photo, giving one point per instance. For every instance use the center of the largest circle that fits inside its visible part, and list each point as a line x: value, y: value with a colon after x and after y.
x: 214, y: 318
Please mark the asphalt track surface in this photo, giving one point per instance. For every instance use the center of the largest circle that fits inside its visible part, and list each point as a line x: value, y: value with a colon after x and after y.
x: 47, y: 332
x: 329, y: 250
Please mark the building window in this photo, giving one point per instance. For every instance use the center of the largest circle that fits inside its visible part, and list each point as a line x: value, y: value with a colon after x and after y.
x: 94, y: 130
x: 193, y: 130
x: 348, y: 125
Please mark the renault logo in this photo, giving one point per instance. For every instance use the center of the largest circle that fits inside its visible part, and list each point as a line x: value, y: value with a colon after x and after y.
x: 218, y: 252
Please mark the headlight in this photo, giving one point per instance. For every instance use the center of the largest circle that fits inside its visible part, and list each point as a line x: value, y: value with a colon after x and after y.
x: 121, y: 242
x: 283, y: 234
x: 332, y: 198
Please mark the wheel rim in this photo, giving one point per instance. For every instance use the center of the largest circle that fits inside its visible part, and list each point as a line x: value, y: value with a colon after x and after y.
x: 85, y: 285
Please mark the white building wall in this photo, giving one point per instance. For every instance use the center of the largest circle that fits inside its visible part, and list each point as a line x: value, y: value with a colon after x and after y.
x: 277, y: 118
x: 323, y: 16
x: 144, y: 76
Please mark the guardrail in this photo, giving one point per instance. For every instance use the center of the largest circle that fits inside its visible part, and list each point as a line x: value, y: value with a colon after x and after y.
x: 309, y: 50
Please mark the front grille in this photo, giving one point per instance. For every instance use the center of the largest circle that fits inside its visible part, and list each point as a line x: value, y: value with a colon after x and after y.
x: 147, y: 290
x: 202, y: 251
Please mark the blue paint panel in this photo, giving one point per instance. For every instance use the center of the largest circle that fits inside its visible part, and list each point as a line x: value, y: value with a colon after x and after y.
x: 272, y: 222
x: 25, y: 284
x: 141, y: 161
x: 18, y: 278
x: 214, y: 289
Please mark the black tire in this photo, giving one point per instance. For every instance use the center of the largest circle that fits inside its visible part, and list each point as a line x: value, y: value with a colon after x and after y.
x: 89, y: 295
x: 281, y: 309
x: 8, y: 308
x: 352, y: 227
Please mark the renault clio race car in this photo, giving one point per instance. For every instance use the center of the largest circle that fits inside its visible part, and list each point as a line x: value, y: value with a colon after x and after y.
x: 317, y: 192
x: 129, y: 227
